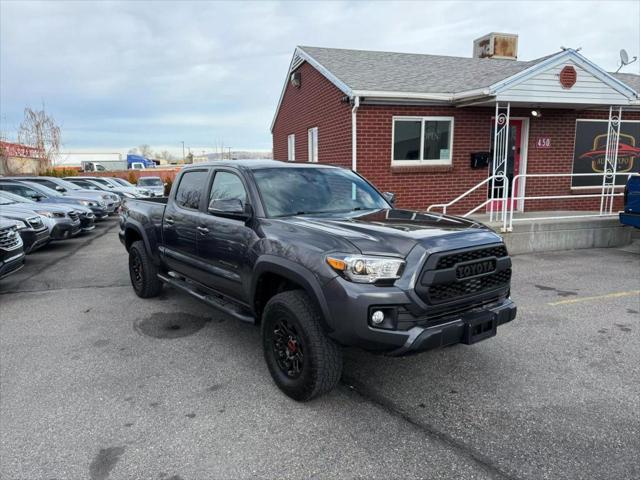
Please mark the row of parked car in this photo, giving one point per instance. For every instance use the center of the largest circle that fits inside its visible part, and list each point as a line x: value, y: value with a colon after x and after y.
x: 37, y: 210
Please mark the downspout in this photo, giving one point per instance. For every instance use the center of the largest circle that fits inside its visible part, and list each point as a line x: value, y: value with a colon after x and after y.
x: 354, y: 134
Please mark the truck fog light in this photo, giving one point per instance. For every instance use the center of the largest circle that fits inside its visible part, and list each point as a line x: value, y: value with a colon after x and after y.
x: 377, y: 317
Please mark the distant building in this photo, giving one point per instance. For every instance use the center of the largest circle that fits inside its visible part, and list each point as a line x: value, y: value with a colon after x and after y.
x: 18, y: 159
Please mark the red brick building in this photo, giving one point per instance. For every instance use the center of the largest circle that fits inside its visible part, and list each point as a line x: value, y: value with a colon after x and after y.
x: 423, y: 126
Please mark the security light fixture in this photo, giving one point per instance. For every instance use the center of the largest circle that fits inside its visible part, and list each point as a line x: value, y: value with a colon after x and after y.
x: 536, y: 113
x: 296, y: 79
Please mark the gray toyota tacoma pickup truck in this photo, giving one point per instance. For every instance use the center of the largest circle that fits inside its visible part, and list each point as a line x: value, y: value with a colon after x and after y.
x: 320, y: 259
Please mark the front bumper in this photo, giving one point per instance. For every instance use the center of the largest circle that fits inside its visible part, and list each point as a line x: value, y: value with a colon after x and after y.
x: 348, y: 307
x: 12, y: 263
x: 468, y: 328
x: 100, y: 212
x: 87, y: 222
x: 33, y: 239
x: 64, y: 230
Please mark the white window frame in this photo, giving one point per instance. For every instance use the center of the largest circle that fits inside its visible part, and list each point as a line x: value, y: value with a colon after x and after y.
x: 312, y: 141
x: 422, y: 161
x: 291, y: 148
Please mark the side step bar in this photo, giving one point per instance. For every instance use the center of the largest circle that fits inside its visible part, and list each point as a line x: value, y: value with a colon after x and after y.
x: 226, y: 306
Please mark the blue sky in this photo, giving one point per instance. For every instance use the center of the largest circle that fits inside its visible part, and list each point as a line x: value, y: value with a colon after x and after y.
x: 116, y: 75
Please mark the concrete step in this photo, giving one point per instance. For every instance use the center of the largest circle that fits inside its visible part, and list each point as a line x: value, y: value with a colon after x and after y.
x: 530, y: 235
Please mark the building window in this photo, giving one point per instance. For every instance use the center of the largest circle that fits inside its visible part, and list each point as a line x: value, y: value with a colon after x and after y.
x: 291, y: 148
x: 422, y: 140
x: 313, y: 144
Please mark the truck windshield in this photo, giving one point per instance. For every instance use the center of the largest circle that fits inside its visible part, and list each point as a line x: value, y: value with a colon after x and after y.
x: 307, y: 191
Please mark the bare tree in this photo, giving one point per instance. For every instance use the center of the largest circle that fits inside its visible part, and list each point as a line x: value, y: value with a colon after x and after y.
x: 165, y: 155
x: 40, y: 131
x: 143, y: 150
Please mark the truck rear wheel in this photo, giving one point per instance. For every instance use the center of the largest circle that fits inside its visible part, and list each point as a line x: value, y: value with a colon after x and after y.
x: 303, y: 361
x: 143, y: 272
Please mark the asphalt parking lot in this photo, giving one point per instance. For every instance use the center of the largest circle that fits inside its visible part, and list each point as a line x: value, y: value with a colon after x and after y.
x: 97, y: 383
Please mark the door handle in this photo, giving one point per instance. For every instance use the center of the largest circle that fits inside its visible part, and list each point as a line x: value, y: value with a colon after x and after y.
x: 203, y: 230
x: 169, y: 220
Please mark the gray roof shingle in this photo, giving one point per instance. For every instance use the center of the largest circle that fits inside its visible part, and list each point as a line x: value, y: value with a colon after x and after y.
x: 631, y: 79
x: 411, y: 72
x: 420, y: 73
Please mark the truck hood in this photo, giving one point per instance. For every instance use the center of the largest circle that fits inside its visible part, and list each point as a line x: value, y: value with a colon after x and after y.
x: 397, y: 232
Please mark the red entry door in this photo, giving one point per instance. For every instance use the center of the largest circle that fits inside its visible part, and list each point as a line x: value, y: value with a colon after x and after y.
x: 513, y: 163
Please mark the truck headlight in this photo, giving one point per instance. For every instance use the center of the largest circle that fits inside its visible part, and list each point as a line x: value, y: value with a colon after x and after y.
x: 87, y: 203
x: 366, y: 269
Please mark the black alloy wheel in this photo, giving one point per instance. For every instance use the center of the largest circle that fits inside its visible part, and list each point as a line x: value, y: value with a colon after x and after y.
x: 288, y: 348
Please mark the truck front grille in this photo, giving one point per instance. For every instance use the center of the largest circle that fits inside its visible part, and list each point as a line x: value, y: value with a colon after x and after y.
x: 452, y: 290
x: 449, y: 261
x: 73, y: 215
x: 451, y: 276
x: 9, y: 238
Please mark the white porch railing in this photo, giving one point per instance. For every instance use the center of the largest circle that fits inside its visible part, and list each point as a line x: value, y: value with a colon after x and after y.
x: 606, y: 197
x: 505, y: 213
x: 491, y: 180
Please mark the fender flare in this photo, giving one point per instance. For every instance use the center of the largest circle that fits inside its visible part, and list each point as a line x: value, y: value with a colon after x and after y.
x: 296, y: 273
x: 139, y: 230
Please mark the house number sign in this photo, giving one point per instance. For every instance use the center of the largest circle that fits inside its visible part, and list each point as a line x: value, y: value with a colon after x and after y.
x: 543, y: 142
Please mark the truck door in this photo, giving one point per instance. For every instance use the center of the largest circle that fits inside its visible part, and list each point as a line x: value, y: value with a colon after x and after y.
x: 180, y: 222
x: 224, y: 239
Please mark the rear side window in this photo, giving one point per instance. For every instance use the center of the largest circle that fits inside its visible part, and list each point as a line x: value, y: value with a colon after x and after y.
x: 227, y: 186
x: 190, y: 189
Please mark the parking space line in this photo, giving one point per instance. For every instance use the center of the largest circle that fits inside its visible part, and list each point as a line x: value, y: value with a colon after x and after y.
x: 598, y: 297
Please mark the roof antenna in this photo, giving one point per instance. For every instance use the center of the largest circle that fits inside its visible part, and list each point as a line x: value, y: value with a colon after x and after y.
x: 624, y: 59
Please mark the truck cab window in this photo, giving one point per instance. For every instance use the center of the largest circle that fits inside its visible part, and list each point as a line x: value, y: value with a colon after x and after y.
x: 190, y: 188
x: 227, y: 186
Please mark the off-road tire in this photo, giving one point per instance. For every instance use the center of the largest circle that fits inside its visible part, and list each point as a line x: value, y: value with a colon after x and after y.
x: 322, y: 362
x: 145, y: 282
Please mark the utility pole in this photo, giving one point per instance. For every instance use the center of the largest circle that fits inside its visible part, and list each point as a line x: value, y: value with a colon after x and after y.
x: 182, y: 151
x: 229, y: 152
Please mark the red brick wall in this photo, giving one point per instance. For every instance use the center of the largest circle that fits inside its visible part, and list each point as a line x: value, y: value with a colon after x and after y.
x: 133, y: 174
x: 317, y: 103
x: 419, y: 187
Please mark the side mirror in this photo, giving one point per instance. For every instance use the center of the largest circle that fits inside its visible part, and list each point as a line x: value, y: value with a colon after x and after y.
x: 60, y: 189
x: 390, y: 197
x: 230, y: 208
x: 37, y: 197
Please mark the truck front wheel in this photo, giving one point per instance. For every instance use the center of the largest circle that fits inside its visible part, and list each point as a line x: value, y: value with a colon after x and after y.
x: 143, y: 272
x: 303, y: 361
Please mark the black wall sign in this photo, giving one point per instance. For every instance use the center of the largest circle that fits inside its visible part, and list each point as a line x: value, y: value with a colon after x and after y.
x: 590, y: 148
